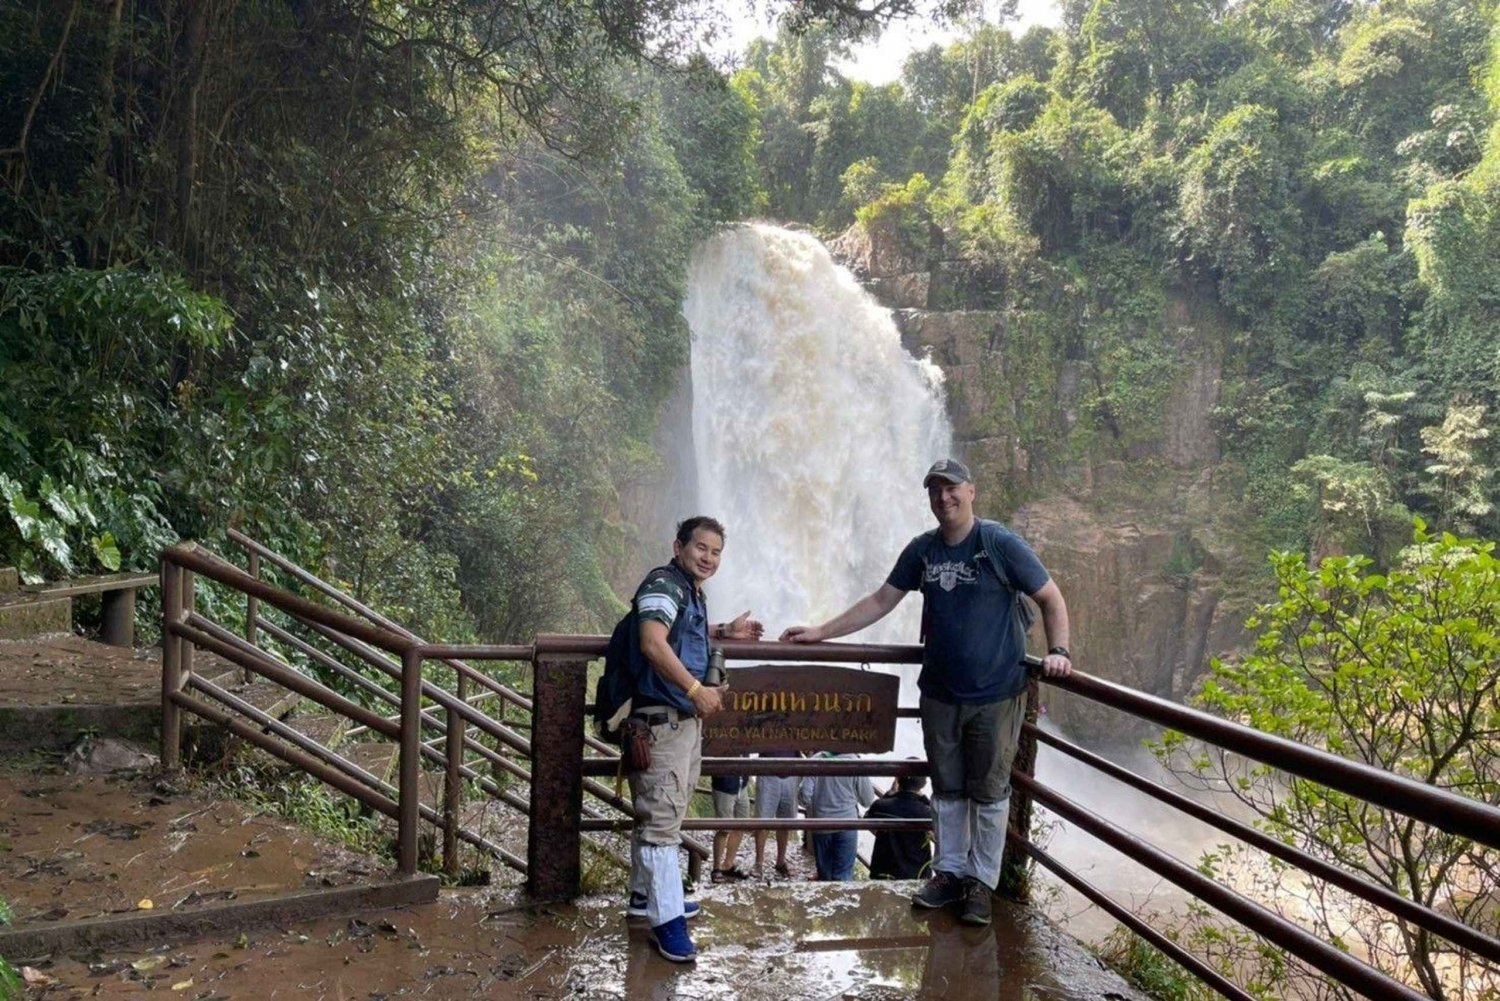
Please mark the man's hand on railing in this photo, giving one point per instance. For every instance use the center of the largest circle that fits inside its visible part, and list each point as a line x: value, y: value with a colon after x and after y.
x: 708, y: 701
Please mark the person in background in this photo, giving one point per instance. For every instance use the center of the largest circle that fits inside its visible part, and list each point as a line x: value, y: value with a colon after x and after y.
x: 731, y: 799
x: 775, y: 796
x: 901, y: 854
x: 840, y: 797
x: 672, y: 701
x: 972, y: 574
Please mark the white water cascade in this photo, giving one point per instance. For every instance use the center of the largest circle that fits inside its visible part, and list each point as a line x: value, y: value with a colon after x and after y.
x: 812, y: 427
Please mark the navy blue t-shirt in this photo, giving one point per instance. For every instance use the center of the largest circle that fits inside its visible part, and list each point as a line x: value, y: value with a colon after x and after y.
x: 974, y: 649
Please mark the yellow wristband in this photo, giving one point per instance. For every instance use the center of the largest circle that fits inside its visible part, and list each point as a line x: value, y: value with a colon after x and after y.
x: 693, y: 689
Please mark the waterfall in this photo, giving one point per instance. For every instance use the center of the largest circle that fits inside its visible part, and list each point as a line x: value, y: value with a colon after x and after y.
x: 812, y: 428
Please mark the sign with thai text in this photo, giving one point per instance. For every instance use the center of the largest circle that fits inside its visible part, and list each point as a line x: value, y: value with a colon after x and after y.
x: 804, y: 707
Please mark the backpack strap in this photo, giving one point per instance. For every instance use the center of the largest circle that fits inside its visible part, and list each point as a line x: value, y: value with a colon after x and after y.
x: 989, y: 537
x: 928, y: 536
x: 1021, y: 608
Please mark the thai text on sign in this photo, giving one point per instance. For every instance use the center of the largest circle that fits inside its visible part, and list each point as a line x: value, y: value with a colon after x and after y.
x: 804, y: 707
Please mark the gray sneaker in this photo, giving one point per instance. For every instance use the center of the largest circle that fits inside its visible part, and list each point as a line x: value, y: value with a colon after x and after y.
x: 939, y: 891
x: 977, y: 903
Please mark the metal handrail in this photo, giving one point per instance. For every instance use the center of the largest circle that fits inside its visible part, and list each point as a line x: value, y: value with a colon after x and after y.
x: 1441, y: 924
x: 1207, y: 974
x: 371, y: 642
x: 1437, y: 807
x: 348, y: 601
x: 1442, y: 809
x: 194, y: 557
x: 259, y: 551
x: 1291, y: 937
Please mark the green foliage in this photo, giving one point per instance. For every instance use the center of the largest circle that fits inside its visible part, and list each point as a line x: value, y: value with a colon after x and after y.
x: 901, y: 210
x: 55, y: 529
x: 1355, y: 501
x: 1152, y: 971
x: 1233, y: 204
x: 1460, y: 475
x: 401, y: 250
x: 1318, y: 176
x: 1059, y: 178
x: 1397, y: 670
x: 10, y: 980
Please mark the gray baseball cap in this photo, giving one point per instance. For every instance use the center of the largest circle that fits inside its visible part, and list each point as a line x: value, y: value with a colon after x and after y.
x: 949, y: 471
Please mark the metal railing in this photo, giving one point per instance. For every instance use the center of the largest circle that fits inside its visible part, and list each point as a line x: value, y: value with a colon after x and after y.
x: 1439, y: 808
x: 467, y: 678
x: 560, y: 769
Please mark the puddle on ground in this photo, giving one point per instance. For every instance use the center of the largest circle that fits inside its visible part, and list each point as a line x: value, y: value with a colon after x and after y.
x: 778, y: 942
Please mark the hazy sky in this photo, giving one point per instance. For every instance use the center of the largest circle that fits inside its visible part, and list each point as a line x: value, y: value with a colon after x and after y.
x: 879, y: 61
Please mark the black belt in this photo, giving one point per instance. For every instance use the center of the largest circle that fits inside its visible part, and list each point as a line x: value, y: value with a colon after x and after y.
x: 658, y: 714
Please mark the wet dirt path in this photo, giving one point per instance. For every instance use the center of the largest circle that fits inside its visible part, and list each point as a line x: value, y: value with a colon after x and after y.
x: 84, y: 846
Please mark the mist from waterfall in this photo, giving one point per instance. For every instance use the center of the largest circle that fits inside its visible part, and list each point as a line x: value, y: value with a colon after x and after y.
x: 812, y: 428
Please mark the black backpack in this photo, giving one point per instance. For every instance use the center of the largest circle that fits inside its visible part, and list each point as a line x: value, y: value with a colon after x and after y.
x: 624, y: 664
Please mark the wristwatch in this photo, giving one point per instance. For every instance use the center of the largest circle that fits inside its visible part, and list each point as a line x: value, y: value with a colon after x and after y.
x: 1061, y: 651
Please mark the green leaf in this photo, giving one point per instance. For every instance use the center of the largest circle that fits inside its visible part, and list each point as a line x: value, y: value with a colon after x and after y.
x: 105, y: 551
x: 55, y: 544
x: 54, y: 499
x: 27, y: 514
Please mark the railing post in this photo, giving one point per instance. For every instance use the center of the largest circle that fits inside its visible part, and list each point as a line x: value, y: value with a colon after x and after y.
x: 408, y: 795
x: 118, y: 610
x: 173, y: 677
x: 453, y: 783
x: 1014, y: 865
x: 554, y: 837
x: 252, y: 610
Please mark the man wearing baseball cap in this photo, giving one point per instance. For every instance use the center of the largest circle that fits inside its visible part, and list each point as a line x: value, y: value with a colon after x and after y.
x: 972, y: 573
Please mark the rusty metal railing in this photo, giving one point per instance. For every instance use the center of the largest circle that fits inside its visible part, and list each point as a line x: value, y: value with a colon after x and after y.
x: 561, y: 771
x: 466, y: 676
x: 1437, y: 807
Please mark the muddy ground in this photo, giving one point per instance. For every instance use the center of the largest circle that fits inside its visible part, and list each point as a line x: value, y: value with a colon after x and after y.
x: 81, y: 846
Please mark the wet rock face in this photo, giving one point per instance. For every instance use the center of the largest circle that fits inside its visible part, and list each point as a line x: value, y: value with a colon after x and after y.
x: 1145, y: 608
x: 875, y: 254
x: 1143, y: 590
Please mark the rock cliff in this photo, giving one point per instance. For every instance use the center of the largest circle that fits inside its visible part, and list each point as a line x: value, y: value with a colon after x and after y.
x: 1131, y: 539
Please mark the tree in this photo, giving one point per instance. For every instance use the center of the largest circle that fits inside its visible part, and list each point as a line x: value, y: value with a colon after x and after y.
x: 1400, y: 671
x: 1459, y: 474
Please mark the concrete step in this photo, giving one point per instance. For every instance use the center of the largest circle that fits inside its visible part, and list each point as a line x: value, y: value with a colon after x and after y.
x: 267, y: 696
x: 378, y: 757
x: 326, y: 730
x: 10, y: 580
x: 23, y: 616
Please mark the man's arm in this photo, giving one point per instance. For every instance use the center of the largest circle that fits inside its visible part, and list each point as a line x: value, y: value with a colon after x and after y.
x: 871, y: 608
x: 658, y: 653
x: 1055, y: 622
